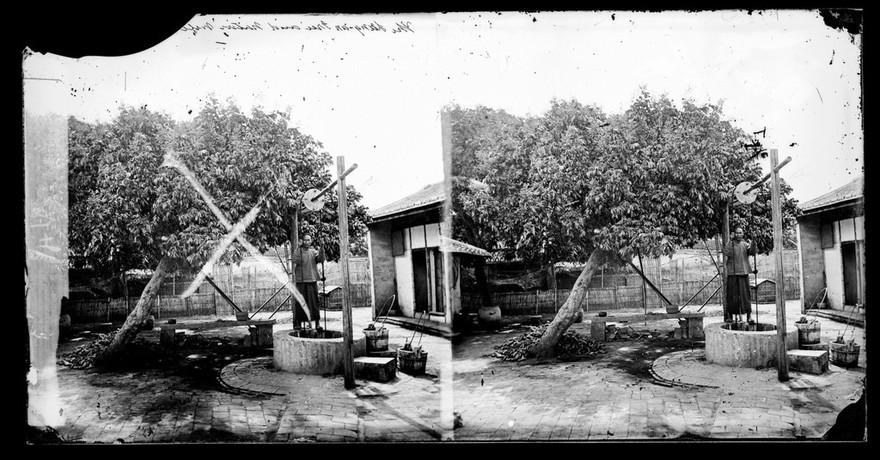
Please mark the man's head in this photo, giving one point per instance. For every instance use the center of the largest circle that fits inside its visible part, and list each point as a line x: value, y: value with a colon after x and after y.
x: 738, y: 233
x: 307, y: 240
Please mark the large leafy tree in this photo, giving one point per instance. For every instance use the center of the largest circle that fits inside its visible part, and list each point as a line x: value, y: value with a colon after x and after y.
x: 128, y: 211
x: 579, y: 184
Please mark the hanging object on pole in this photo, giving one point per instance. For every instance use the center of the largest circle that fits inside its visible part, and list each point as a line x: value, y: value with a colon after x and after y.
x: 313, y: 200
x: 745, y: 193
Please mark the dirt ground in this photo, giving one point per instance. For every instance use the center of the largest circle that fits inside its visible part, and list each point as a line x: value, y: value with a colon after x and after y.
x: 200, y: 357
x: 195, y: 364
x: 645, y: 343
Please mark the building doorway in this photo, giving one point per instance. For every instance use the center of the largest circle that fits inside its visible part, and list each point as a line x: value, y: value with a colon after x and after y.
x: 428, y: 280
x: 850, y: 273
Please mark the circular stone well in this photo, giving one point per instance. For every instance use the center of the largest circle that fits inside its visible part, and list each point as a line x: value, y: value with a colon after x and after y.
x: 745, y: 345
x: 308, y: 351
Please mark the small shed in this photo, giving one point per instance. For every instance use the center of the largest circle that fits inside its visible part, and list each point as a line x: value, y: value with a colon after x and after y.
x: 413, y: 261
x: 763, y: 289
x: 831, y: 237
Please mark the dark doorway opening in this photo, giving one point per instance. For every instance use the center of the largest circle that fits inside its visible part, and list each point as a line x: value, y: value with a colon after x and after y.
x: 850, y: 273
x: 428, y: 280
x: 420, y: 280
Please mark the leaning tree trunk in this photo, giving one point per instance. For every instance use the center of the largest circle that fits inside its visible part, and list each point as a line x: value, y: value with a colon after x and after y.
x: 140, y: 313
x: 546, y: 347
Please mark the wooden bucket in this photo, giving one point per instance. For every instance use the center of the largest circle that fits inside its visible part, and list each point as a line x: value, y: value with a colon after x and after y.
x: 845, y: 354
x: 409, y: 363
x: 489, y: 317
x: 809, y: 332
x: 377, y: 339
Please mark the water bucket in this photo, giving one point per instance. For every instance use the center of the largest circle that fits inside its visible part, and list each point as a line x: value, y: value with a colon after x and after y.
x: 411, y: 363
x: 241, y: 316
x: 809, y: 332
x: 845, y: 354
x: 489, y: 317
x: 672, y: 309
x: 377, y: 339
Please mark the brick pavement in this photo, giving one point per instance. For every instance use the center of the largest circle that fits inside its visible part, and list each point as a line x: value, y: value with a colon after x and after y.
x: 583, y: 400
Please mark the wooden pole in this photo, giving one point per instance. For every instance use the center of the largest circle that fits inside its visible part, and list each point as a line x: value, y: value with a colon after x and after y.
x: 648, y: 282
x: 428, y: 278
x: 725, y: 238
x: 223, y: 294
x: 764, y: 179
x: 680, y: 278
x: 332, y: 184
x: 125, y: 292
x: 781, y: 350
x: 348, y: 358
x: 644, y: 287
x: 253, y: 275
x: 294, y: 248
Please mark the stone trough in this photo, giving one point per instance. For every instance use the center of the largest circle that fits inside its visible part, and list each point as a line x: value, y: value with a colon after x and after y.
x: 309, y: 351
x: 745, y: 345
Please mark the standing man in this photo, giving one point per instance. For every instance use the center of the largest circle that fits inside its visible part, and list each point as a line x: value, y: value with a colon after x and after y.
x: 306, y: 271
x: 736, y: 256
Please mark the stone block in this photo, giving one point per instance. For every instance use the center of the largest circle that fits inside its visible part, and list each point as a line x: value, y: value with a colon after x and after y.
x: 823, y: 345
x: 375, y: 369
x: 809, y: 361
x: 695, y: 329
x: 166, y: 337
x: 597, y: 330
x: 261, y: 335
x: 383, y: 354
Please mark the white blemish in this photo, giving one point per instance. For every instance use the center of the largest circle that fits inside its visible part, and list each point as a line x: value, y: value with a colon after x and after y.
x: 171, y: 161
x: 44, y: 399
x: 32, y: 376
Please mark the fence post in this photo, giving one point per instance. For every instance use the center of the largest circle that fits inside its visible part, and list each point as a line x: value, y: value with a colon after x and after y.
x: 681, y: 281
x: 254, y: 287
x: 125, y: 293
x: 614, y: 292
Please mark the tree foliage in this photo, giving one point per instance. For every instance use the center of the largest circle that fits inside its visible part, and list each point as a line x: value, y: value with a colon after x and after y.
x: 577, y: 184
x: 649, y: 181
x: 129, y: 210
x: 126, y: 211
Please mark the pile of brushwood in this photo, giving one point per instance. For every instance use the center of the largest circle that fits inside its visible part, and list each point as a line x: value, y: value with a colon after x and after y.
x: 83, y: 357
x: 143, y: 353
x: 139, y: 352
x: 571, y: 346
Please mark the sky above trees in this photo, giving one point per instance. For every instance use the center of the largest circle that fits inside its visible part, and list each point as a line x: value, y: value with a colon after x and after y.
x: 374, y: 96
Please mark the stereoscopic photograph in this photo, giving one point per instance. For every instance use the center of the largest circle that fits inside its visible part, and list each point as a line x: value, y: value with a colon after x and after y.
x: 458, y: 227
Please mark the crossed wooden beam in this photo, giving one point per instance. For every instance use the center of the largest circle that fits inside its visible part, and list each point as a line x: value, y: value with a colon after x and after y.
x: 234, y: 233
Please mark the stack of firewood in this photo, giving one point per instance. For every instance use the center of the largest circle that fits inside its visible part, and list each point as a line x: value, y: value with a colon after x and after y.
x: 571, y: 344
x: 83, y: 357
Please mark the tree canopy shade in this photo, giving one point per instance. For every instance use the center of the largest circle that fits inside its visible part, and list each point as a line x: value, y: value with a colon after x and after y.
x: 577, y: 184
x: 127, y: 211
